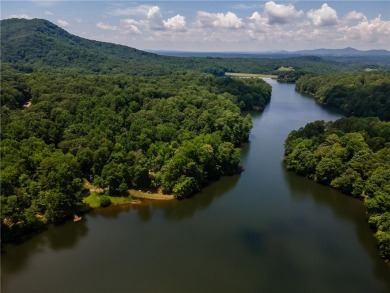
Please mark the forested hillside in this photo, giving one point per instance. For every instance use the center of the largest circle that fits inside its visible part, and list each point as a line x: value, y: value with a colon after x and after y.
x: 365, y: 95
x: 176, y: 132
x: 38, y: 45
x: 352, y: 155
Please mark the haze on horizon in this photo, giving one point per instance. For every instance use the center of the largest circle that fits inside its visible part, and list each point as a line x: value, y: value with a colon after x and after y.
x: 241, y: 26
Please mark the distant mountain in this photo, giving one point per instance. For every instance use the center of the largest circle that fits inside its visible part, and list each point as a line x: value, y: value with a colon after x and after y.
x: 346, y: 52
x: 341, y: 52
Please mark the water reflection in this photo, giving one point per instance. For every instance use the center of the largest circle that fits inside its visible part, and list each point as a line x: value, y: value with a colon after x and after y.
x: 56, y: 238
x: 144, y: 212
x: 111, y: 212
x: 66, y: 236
x: 179, y: 210
x: 255, y: 240
x: 344, y: 207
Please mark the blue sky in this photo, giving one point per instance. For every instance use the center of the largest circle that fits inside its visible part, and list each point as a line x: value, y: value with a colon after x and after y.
x: 218, y: 25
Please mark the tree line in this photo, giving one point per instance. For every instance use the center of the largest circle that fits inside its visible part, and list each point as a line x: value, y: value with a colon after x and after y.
x: 354, y: 94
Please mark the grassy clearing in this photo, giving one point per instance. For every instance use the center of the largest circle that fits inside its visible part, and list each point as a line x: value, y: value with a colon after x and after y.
x: 150, y: 195
x: 286, y: 68
x: 93, y: 200
x: 252, y: 75
x: 95, y: 195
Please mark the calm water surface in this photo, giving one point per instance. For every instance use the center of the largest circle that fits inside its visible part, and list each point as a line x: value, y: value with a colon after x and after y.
x: 266, y: 230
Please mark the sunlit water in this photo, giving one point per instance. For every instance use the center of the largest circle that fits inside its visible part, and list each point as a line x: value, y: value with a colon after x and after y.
x: 266, y: 230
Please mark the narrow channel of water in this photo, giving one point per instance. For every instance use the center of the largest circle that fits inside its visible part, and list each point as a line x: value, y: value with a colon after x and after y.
x: 266, y: 230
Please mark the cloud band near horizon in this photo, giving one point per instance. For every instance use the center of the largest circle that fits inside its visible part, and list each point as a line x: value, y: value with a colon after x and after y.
x: 267, y: 26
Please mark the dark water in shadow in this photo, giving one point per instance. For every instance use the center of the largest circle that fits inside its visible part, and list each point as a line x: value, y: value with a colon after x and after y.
x: 266, y: 230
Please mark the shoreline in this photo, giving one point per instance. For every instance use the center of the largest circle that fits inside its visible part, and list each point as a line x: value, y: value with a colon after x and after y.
x: 92, y: 202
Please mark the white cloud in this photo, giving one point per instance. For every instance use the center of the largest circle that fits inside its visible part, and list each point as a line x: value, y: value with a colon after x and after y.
x: 219, y: 20
x: 106, y: 26
x: 130, y: 26
x: 155, y: 20
x: 324, y: 16
x: 45, y: 3
x: 138, y: 10
x: 250, y: 30
x: 49, y: 13
x: 353, y: 15
x: 328, y: 31
x: 130, y: 21
x: 152, y: 20
x: 177, y: 23
x: 256, y: 17
x: 23, y: 15
x: 245, y: 6
x: 376, y: 30
x: 62, y: 22
x: 153, y: 12
x: 280, y: 13
x: 257, y: 23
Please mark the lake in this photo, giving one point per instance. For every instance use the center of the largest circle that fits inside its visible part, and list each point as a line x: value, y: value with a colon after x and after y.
x: 265, y: 230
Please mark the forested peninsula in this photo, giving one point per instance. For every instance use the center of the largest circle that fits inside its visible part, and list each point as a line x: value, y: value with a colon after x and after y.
x: 176, y: 132
x: 351, y: 154
x: 355, y: 94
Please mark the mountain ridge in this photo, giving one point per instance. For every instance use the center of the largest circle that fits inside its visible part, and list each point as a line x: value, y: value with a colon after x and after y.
x: 348, y: 51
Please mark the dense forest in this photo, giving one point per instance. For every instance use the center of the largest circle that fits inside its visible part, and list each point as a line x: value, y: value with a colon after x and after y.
x: 352, y: 155
x: 176, y: 132
x: 365, y: 95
